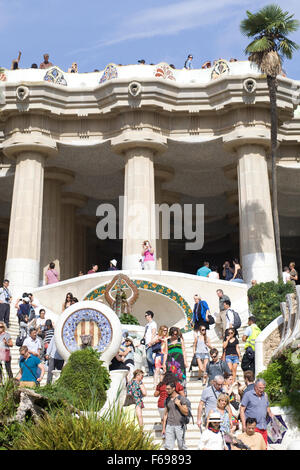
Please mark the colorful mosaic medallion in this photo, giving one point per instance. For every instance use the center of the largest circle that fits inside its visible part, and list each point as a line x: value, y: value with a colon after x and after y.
x: 163, y: 70
x: 86, y: 322
x: 109, y: 73
x: 221, y: 67
x: 55, y: 75
x: 153, y: 287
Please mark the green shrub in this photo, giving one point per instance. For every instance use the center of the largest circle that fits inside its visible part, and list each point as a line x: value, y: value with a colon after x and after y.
x: 84, y: 379
x: 8, y: 402
x: 8, y: 434
x: 264, y: 300
x: 128, y: 319
x: 63, y: 431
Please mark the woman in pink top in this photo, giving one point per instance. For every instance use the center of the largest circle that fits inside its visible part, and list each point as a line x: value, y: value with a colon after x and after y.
x: 51, y: 274
x: 148, y: 255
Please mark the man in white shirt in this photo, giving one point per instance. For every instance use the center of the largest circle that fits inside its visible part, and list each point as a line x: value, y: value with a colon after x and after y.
x: 228, y: 315
x: 33, y: 343
x: 150, y: 333
x: 5, y: 300
x: 286, y: 276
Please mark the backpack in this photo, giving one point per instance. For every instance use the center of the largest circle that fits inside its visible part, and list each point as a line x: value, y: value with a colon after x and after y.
x: 184, y: 419
x: 236, y: 320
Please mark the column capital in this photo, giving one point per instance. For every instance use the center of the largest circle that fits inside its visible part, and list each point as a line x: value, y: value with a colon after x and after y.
x: 131, y: 139
x: 33, y: 142
x: 60, y: 175
x: 244, y: 136
x: 74, y: 199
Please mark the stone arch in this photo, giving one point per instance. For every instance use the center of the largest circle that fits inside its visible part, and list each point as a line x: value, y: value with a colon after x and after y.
x: 154, y: 287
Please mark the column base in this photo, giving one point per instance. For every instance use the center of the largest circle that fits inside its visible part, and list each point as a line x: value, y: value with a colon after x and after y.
x: 23, y: 275
x: 261, y: 267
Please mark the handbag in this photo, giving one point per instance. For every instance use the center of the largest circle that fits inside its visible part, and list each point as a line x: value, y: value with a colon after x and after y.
x: 129, y: 400
x: 211, y: 320
x: 19, y: 341
x: 194, y: 362
x: 156, y: 347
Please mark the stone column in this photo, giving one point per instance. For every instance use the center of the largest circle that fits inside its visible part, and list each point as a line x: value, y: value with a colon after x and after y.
x: 24, y: 241
x: 139, y: 149
x: 68, y: 254
x: 257, y: 243
x: 54, y: 179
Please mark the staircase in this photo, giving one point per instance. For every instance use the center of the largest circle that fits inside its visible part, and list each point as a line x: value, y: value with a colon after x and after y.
x: 194, y: 391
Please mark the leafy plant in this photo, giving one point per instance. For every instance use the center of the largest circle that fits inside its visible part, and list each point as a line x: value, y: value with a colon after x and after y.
x: 8, y: 434
x: 62, y: 430
x: 128, y: 319
x: 8, y: 402
x: 84, y: 379
x: 265, y: 298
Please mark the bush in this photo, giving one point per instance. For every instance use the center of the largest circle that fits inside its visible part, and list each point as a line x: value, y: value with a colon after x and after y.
x: 264, y: 300
x: 8, y: 434
x: 8, y: 402
x: 84, y: 379
x: 63, y: 431
x: 128, y: 319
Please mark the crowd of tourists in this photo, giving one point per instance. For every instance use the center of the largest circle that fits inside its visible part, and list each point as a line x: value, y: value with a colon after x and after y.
x: 230, y: 415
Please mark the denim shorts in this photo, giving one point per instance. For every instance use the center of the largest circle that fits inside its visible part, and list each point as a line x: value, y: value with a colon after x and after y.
x: 202, y: 356
x: 233, y: 359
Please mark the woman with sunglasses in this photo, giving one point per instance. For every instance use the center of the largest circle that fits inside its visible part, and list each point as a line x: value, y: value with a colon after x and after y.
x: 175, y: 357
x: 159, y: 348
x: 232, y: 351
x: 202, y: 347
x: 68, y: 301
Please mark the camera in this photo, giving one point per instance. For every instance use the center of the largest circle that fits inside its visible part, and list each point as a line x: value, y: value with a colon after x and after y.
x: 142, y: 341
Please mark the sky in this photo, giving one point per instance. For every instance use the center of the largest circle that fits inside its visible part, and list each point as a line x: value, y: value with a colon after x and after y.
x: 94, y: 33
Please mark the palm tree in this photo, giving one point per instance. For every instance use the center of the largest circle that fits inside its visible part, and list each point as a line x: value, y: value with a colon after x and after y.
x: 269, y: 28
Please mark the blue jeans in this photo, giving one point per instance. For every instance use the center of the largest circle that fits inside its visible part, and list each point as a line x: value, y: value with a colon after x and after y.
x: 150, y: 361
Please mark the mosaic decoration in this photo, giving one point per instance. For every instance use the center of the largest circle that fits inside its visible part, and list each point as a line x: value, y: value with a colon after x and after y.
x: 221, y: 67
x: 153, y: 287
x: 109, y: 73
x: 86, y: 322
x: 163, y: 70
x: 55, y: 75
x: 120, y: 301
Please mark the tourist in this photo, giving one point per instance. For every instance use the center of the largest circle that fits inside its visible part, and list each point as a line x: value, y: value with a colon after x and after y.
x: 209, y: 398
x: 5, y: 345
x: 40, y: 321
x: 250, y: 438
x: 228, y: 271
x: 148, y: 254
x: 80, y: 273
x: 211, y: 438
x: 94, y: 269
x: 49, y: 333
x: 137, y: 389
x: 253, y: 282
x: 23, y: 328
x: 149, y: 338
x: 188, y: 63
x: 73, y: 68
x: 233, y: 60
x: 55, y: 361
x: 31, y: 368
x: 33, y: 306
x: 127, y: 353
x: 231, y: 389
x: 68, y: 302
x: 112, y: 265
x: 5, y: 300
x: 175, y: 357
x: 200, y: 313
x: 237, y: 276
x: 206, y: 65
x: 229, y: 317
x: 141, y: 62
x: 221, y: 317
x: 215, y: 366
x: 286, y: 275
x: 159, y: 348
x: 224, y: 410
x: 15, y: 62
x: 214, y: 273
x: 293, y: 273
x: 33, y: 343
x: 46, y: 64
x: 205, y: 270
x: 255, y: 404
x: 201, y: 349
x: 173, y: 428
x: 34, y: 66
x: 161, y: 391
x: 74, y: 301
x: 249, y: 383
x: 232, y: 351
x: 24, y: 308
x: 51, y: 276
